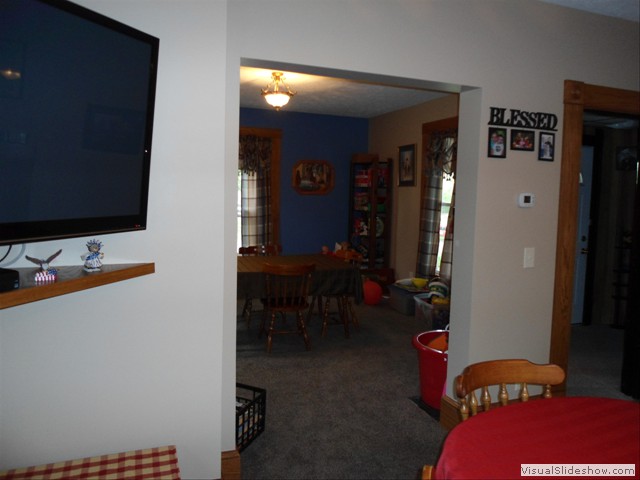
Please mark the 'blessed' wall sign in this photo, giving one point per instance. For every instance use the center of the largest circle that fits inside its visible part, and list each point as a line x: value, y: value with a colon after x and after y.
x: 518, y: 118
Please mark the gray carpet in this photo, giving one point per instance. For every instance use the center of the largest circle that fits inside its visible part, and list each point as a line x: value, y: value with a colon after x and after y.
x: 595, y: 362
x: 346, y: 409
x: 343, y: 410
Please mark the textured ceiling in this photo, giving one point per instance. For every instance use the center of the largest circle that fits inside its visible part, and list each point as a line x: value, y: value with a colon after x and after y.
x: 331, y: 95
x: 353, y: 97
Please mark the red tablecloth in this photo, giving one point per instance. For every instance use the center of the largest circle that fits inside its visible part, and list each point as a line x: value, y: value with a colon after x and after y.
x: 567, y: 430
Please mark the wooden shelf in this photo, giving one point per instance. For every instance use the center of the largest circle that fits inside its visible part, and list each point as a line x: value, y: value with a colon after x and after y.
x: 70, y: 279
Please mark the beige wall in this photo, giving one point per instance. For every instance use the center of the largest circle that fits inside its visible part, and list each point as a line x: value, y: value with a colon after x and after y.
x: 513, y: 54
x: 386, y: 134
x: 152, y: 360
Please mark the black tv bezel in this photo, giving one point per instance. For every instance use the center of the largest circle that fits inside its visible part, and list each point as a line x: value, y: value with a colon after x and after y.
x: 46, y: 230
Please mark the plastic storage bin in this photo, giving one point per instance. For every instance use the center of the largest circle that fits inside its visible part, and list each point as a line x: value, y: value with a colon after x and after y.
x: 431, y: 316
x: 251, y: 411
x: 432, y: 365
x: 401, y: 299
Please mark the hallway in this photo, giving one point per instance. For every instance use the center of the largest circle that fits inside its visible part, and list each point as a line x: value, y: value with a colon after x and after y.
x: 595, y: 361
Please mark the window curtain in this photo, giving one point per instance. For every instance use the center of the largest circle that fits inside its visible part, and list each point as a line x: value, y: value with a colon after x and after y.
x: 439, y: 162
x: 255, y: 191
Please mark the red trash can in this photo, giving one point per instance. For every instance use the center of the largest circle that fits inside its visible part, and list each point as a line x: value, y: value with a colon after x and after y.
x: 432, y: 365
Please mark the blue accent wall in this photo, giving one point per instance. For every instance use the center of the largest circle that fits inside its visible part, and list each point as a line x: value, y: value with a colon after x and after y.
x: 309, y: 221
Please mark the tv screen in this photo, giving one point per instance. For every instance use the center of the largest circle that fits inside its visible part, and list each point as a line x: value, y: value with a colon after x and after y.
x: 77, y: 93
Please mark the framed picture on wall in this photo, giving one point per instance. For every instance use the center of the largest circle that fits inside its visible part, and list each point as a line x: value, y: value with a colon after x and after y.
x: 313, y: 177
x: 407, y: 166
x: 497, y: 142
x: 523, y: 140
x: 547, y: 146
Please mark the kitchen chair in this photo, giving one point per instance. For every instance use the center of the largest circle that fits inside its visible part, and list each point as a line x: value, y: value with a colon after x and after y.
x: 503, y: 372
x: 482, y: 375
x: 269, y: 249
x: 346, y: 313
x: 253, y: 250
x: 287, y: 291
x: 425, y: 473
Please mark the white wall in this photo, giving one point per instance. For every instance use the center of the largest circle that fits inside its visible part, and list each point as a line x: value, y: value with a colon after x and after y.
x: 138, y: 363
x: 152, y: 360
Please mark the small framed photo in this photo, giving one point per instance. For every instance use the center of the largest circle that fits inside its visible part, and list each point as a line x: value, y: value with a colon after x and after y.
x: 547, y: 146
x: 523, y: 140
x: 407, y: 166
x: 497, y: 142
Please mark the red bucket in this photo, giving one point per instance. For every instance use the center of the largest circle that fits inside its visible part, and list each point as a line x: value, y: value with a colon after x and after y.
x: 432, y: 364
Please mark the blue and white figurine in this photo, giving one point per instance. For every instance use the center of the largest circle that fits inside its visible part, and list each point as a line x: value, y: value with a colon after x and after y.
x: 92, y: 259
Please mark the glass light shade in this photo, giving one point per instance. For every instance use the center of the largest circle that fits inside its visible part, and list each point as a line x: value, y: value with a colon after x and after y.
x: 273, y: 94
x: 277, y: 99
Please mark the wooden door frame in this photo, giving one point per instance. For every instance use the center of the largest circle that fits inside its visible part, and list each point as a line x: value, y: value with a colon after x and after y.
x: 578, y: 97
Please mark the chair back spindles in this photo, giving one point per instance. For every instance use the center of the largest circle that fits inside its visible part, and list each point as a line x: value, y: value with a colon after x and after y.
x: 503, y: 395
x: 287, y: 291
x: 524, y: 392
x: 485, y: 398
x: 501, y: 373
x: 253, y: 251
x: 463, y: 408
x: 346, y: 312
x: 267, y: 250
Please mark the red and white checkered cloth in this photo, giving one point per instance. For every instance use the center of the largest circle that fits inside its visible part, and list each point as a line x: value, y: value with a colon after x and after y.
x: 159, y: 463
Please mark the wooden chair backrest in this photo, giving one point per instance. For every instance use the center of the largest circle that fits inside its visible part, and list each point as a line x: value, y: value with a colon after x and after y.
x: 482, y: 375
x: 287, y: 286
x: 265, y: 250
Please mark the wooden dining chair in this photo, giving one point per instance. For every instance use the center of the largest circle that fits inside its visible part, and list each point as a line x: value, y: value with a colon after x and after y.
x: 426, y: 472
x: 287, y: 292
x: 268, y: 249
x: 346, y: 312
x: 482, y: 375
x: 254, y: 250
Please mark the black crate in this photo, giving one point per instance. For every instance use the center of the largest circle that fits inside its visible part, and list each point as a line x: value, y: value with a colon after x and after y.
x: 251, y: 411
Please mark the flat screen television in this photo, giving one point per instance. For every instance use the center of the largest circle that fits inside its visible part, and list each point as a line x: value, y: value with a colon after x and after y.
x: 77, y: 94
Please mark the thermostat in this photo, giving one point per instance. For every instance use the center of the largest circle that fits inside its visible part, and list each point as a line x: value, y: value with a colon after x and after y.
x: 526, y: 200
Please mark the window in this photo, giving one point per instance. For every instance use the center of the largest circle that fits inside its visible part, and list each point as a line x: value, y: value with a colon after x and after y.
x: 437, y: 200
x: 448, y: 184
x: 258, y: 200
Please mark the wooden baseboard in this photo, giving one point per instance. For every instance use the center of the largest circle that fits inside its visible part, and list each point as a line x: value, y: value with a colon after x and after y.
x: 449, y: 414
x: 231, y: 465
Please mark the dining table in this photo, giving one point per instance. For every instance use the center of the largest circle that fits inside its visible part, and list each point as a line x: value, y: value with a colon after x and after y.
x: 553, y: 438
x: 332, y: 275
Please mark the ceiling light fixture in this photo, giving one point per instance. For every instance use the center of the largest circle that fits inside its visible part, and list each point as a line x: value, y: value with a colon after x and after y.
x: 277, y: 94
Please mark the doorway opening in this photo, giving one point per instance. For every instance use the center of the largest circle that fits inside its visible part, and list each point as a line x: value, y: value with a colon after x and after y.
x: 603, y: 246
x: 581, y: 97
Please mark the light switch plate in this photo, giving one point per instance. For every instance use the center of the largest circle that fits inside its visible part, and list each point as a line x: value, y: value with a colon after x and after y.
x: 529, y: 257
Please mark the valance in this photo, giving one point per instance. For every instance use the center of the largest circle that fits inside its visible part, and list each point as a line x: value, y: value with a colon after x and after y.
x: 440, y: 159
x: 254, y: 154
